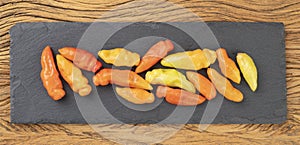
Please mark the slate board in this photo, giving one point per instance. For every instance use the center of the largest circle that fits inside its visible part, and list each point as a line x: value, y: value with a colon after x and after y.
x: 31, y: 104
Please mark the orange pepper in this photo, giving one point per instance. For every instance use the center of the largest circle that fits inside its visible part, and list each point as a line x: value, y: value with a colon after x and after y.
x: 202, y: 84
x: 224, y: 86
x: 135, y: 95
x: 50, y: 75
x: 154, y: 54
x: 81, y: 58
x: 73, y: 76
x: 125, y: 78
x: 228, y: 66
x: 179, y: 97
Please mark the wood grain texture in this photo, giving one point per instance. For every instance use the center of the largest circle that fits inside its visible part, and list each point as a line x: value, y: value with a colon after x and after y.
x: 286, y: 11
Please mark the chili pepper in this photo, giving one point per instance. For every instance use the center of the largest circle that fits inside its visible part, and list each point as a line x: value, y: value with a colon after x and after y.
x: 169, y: 77
x: 228, y: 66
x: 224, y: 86
x: 190, y: 60
x: 120, y: 57
x: 81, y: 58
x: 154, y: 54
x: 73, y: 76
x: 248, y: 69
x: 202, y: 84
x: 50, y: 75
x: 179, y: 97
x: 135, y: 95
x: 125, y: 78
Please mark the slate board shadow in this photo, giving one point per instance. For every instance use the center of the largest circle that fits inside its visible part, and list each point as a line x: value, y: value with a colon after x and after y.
x: 31, y: 104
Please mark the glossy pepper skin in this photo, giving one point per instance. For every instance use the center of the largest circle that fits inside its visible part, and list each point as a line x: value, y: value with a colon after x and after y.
x: 179, y: 97
x: 224, y: 86
x: 50, y: 75
x: 135, y: 95
x: 190, y: 60
x: 169, y: 77
x: 120, y: 57
x: 154, y: 54
x: 73, y: 76
x: 125, y: 78
x: 248, y: 69
x: 228, y: 66
x: 81, y: 58
x: 202, y: 84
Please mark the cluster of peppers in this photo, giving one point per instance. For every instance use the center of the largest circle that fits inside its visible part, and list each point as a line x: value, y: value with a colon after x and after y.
x: 69, y: 71
x: 135, y: 89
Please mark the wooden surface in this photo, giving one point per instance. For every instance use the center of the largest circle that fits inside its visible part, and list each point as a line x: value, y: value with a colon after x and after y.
x: 286, y: 11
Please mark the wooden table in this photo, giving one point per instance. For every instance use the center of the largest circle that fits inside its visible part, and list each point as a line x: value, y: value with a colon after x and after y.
x: 286, y: 11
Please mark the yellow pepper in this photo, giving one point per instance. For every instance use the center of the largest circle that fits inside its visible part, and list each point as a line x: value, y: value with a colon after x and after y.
x: 120, y: 57
x: 135, y: 95
x: 169, y: 77
x: 73, y: 76
x: 248, y: 69
x: 190, y: 60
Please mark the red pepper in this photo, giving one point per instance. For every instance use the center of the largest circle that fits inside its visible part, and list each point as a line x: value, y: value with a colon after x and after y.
x: 179, y: 97
x: 81, y: 58
x: 154, y: 54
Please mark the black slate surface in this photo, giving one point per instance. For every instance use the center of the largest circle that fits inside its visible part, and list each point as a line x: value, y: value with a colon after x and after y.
x: 31, y: 104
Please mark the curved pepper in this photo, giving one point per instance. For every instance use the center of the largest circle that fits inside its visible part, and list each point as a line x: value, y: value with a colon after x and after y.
x: 154, y: 54
x: 190, y: 60
x: 169, y: 77
x: 125, y: 78
x: 202, y: 84
x: 81, y: 58
x: 228, y: 66
x: 73, y: 76
x: 120, y: 57
x: 224, y: 86
x: 135, y: 95
x: 179, y: 97
x: 248, y: 69
x: 50, y: 75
